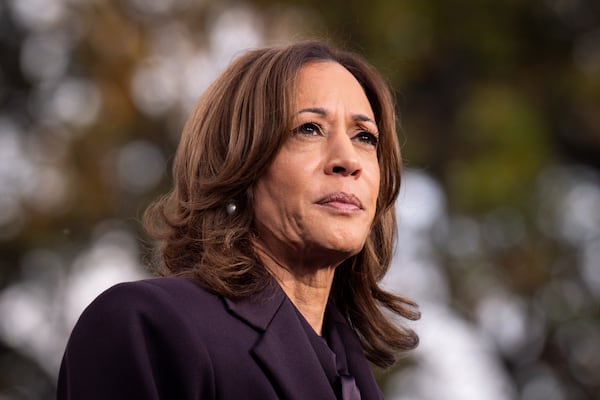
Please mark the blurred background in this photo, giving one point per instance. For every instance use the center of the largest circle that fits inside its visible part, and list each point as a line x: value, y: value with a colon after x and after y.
x: 499, y: 215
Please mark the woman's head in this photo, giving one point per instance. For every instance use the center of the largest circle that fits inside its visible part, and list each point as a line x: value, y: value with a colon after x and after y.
x: 243, y: 119
x: 231, y: 138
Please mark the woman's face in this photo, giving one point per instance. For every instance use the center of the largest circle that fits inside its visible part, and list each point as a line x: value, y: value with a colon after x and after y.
x: 317, y: 200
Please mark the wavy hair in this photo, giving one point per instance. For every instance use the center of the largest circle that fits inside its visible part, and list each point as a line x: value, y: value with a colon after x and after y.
x: 229, y: 140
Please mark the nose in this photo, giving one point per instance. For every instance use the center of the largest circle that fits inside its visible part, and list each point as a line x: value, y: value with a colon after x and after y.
x: 342, y: 157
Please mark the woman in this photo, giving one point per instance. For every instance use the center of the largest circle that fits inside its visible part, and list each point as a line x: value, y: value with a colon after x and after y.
x: 273, y: 240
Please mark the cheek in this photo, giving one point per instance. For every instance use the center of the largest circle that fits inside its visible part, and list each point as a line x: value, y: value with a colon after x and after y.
x: 374, y: 180
x: 259, y: 206
x: 271, y: 195
x: 374, y: 186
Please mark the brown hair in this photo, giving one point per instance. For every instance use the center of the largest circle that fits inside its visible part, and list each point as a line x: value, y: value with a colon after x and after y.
x: 228, y: 142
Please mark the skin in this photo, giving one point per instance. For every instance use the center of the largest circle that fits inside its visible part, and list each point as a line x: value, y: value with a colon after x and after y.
x: 315, y: 204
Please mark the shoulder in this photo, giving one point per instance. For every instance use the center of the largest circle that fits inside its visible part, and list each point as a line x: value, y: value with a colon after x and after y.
x: 153, y: 292
x: 163, y: 286
x: 157, y: 301
x: 138, y: 336
x: 164, y: 313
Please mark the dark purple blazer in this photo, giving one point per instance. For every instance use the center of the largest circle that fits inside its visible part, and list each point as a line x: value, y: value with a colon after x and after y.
x: 168, y: 338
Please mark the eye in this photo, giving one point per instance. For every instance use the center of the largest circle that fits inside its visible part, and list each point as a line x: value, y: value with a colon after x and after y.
x: 308, y: 129
x: 368, y: 138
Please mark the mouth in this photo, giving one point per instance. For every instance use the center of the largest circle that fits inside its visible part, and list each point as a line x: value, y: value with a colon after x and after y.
x: 341, y: 201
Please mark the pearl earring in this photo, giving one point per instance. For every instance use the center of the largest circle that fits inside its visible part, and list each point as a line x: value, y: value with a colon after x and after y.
x: 231, y: 207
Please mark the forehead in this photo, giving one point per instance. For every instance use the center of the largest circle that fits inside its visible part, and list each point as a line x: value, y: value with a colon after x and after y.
x: 328, y: 83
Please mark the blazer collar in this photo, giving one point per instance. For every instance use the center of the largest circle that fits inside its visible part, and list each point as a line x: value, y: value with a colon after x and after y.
x: 259, y: 310
x: 283, y: 349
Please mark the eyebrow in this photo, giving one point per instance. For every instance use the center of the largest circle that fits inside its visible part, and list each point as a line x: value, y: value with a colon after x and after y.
x: 324, y: 113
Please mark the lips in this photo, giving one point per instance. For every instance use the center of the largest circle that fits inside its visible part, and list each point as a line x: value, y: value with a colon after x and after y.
x: 341, y: 201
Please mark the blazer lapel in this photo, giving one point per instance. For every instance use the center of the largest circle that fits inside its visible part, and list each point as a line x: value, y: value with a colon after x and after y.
x: 283, y: 349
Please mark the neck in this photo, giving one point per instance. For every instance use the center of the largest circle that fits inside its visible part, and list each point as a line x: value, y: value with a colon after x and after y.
x: 307, y: 288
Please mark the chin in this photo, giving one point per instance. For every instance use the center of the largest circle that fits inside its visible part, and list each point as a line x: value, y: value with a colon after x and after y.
x: 347, y: 250
x: 341, y: 243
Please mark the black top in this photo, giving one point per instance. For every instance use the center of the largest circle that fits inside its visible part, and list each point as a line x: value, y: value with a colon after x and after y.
x: 331, y: 353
